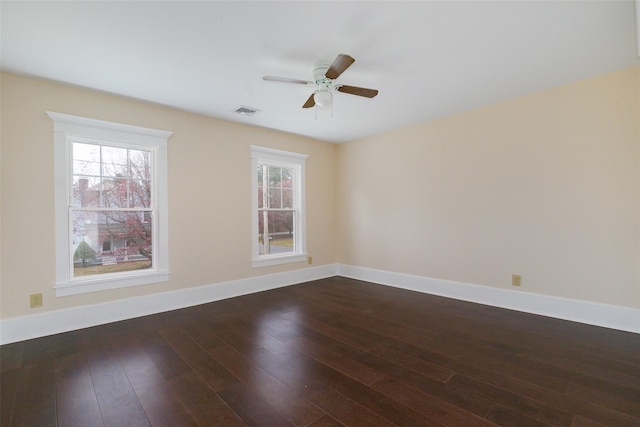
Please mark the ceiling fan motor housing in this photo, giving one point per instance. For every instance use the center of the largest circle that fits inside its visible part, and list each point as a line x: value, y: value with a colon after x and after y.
x: 319, y: 74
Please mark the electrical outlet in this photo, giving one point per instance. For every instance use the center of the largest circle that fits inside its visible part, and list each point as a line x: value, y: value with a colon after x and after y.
x: 516, y: 280
x: 35, y: 300
x: 309, y: 260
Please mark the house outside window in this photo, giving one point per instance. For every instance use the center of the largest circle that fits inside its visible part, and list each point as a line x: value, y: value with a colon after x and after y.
x: 111, y: 205
x: 279, y: 233
x: 111, y: 208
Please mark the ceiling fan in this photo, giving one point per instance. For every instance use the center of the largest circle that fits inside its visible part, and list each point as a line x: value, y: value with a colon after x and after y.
x: 324, y: 82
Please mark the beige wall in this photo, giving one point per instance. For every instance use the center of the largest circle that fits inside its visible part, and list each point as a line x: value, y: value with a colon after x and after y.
x: 209, y: 192
x: 546, y: 186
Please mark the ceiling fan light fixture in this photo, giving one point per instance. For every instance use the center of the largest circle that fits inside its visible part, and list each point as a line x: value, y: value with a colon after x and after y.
x: 322, y: 98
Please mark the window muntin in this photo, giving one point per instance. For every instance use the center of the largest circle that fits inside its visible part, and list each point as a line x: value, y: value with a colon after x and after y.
x: 111, y: 205
x: 278, y: 198
x: 111, y: 209
x: 276, y: 209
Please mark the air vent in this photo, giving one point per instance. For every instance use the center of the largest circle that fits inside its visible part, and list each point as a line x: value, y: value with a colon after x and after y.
x: 246, y: 111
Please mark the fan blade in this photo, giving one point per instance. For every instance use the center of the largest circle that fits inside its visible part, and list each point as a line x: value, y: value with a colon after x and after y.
x: 360, y: 91
x: 310, y: 102
x: 341, y: 63
x: 285, y: 80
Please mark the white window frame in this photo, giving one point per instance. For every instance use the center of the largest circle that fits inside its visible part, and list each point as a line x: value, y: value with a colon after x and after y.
x: 296, y: 161
x: 66, y: 129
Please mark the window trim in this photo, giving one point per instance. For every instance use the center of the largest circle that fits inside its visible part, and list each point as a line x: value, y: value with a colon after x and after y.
x: 67, y: 128
x: 297, y: 162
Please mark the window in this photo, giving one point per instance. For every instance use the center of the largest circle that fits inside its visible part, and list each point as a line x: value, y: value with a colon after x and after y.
x: 279, y: 234
x: 111, y: 205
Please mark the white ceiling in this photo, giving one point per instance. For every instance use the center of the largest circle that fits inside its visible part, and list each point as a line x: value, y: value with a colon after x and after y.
x: 428, y: 59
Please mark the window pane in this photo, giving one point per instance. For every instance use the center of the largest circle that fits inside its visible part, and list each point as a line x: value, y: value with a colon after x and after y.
x: 140, y: 164
x: 275, y: 232
x: 260, y: 198
x: 275, y: 175
x: 287, y: 198
x: 114, y: 161
x: 110, y: 242
x: 115, y: 192
x: 86, y: 159
x: 275, y: 198
x: 140, y: 194
x: 261, y: 194
x: 86, y: 191
x: 260, y: 174
x: 287, y: 178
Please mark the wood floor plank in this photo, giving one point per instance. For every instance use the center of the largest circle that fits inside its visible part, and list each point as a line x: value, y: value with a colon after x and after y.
x: 620, y: 400
x: 601, y: 374
x: 585, y: 422
x: 471, y: 403
x: 161, y: 404
x: 367, y: 397
x: 588, y: 409
x: 341, y: 335
x: 555, y: 366
x: 119, y: 404
x: 9, y: 382
x: 387, y: 325
x: 298, y: 377
x: 450, y: 345
x: 600, y: 362
x: 439, y: 411
x: 412, y: 361
x: 76, y: 401
x: 11, y: 356
x: 485, y: 365
x: 505, y: 417
x: 165, y: 357
x: 334, y: 360
x: 212, y: 373
x: 272, y: 334
x: 326, y: 421
x: 250, y: 408
x: 164, y: 408
x: 142, y: 373
x: 230, y: 335
x: 207, y: 408
x: 287, y: 402
x: 35, y: 401
x: 389, y: 369
x: 201, y: 333
x: 509, y: 402
x: 48, y: 348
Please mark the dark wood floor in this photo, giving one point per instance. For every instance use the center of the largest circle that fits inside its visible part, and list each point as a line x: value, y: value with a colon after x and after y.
x: 327, y: 353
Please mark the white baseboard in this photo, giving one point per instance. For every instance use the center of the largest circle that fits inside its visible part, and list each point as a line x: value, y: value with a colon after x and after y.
x: 54, y: 322
x: 608, y: 316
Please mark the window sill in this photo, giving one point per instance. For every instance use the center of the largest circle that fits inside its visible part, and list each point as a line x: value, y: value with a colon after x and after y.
x: 83, y: 286
x: 267, y: 260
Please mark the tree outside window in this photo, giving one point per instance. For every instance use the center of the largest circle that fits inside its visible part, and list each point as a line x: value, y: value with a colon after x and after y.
x: 112, y: 206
